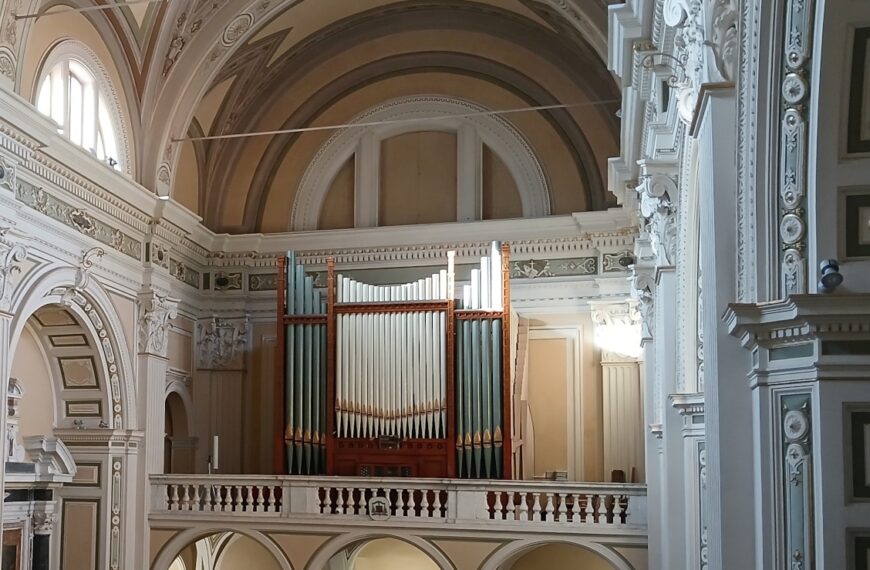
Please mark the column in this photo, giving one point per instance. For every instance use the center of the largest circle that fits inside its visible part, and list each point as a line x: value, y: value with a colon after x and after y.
x: 367, y: 186
x: 155, y: 311
x: 617, y: 333
x: 469, y: 174
x: 728, y: 401
x: 40, y: 553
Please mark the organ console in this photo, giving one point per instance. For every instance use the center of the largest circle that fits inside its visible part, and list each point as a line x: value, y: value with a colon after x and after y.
x: 394, y: 380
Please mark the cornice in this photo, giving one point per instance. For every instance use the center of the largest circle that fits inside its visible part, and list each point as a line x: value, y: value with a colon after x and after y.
x: 798, y: 319
x: 688, y: 404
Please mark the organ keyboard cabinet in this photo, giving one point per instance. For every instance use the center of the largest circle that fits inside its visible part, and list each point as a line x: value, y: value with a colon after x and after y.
x: 394, y: 380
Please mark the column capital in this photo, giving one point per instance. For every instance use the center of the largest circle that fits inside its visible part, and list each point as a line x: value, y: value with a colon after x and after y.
x: 155, y: 311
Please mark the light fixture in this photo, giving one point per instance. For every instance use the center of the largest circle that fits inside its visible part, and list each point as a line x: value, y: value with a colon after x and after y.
x: 164, y: 198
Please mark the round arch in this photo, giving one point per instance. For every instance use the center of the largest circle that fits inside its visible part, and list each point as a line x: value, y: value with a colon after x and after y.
x: 181, y: 540
x: 90, y: 303
x: 339, y: 543
x: 77, y: 50
x: 513, y: 550
x: 425, y: 110
x: 177, y: 387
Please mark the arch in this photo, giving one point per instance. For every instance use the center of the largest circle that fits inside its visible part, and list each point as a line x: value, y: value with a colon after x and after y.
x: 513, y: 550
x: 178, y: 542
x: 339, y: 543
x: 70, y: 49
x: 497, y: 133
x: 182, y: 392
x: 90, y: 303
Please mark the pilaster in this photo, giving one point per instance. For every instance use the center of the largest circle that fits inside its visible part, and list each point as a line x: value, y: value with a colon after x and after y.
x: 810, y: 364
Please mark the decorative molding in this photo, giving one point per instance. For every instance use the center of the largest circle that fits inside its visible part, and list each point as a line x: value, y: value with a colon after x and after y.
x: 797, y: 36
x: 184, y: 273
x: 77, y: 219
x: 155, y: 311
x: 221, y: 343
x: 11, y: 255
x: 797, y: 479
x: 566, y: 267
x: 858, y: 126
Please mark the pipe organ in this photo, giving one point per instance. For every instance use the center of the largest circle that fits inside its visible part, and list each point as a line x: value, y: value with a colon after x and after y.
x: 394, y: 380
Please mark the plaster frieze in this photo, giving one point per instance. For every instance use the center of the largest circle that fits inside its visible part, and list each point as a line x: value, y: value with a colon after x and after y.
x: 155, y: 311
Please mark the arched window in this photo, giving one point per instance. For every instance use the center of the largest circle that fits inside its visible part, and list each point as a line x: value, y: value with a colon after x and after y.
x: 73, y: 96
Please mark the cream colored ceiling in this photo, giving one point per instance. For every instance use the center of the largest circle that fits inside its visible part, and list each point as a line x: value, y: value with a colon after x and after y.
x: 195, y: 67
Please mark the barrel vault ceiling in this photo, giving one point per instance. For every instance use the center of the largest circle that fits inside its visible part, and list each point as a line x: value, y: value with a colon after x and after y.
x: 207, y: 67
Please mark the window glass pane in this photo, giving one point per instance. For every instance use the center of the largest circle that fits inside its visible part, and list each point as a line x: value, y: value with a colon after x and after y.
x: 75, y: 110
x: 89, y: 116
x: 58, y: 94
x: 107, y: 132
x: 80, y: 71
x: 43, y: 102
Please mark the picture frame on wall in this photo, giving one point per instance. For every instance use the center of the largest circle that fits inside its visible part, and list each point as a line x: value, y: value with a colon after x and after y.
x: 858, y: 126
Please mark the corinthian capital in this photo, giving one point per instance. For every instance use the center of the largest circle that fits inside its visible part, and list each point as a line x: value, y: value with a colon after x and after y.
x: 155, y: 311
x: 657, y: 193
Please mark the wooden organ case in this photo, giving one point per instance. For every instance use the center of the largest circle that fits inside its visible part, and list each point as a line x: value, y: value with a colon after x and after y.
x: 395, y: 380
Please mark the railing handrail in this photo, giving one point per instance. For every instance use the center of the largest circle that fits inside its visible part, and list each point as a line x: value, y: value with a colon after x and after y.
x: 564, y: 487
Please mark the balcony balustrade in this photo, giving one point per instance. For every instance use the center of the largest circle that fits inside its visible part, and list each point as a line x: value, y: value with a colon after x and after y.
x: 584, y: 507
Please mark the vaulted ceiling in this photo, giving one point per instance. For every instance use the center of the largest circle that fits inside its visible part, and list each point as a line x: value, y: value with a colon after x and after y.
x: 216, y: 67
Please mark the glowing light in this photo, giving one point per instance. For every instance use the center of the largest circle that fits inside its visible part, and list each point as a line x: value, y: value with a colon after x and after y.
x: 619, y: 338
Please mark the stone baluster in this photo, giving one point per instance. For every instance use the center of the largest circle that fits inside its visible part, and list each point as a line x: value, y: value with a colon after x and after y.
x: 173, y: 497
x: 537, y: 500
x: 510, y: 506
x: 436, y: 504
x: 557, y: 502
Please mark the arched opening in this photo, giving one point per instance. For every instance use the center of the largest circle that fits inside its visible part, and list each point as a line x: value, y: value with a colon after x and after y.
x: 381, y: 554
x: 177, y: 448
x: 226, y: 551
x: 557, y: 555
x: 59, y: 397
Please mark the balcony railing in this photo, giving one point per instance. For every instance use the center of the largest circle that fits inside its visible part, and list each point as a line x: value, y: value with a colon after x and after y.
x: 581, y: 505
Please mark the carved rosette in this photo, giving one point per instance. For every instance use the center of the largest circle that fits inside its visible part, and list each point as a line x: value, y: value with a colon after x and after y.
x: 221, y: 343
x: 155, y: 311
x: 793, y: 146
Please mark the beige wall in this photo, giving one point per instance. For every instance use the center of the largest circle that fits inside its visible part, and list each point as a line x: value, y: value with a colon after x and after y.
x: 243, y: 553
x: 548, y: 393
x: 186, y: 187
x: 418, y: 179
x: 29, y: 365
x: 501, y: 198
x: 560, y: 556
x: 391, y: 554
x: 337, y: 210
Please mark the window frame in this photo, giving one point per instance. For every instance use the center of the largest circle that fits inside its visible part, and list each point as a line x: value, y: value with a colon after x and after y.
x: 106, y: 97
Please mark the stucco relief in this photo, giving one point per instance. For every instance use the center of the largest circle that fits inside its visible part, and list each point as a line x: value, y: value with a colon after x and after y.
x: 706, y: 45
x: 221, y: 343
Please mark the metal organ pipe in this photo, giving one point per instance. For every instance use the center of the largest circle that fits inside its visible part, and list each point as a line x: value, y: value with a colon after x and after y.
x: 390, y: 372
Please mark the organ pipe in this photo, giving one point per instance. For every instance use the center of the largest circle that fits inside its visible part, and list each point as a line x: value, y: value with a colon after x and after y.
x: 405, y: 361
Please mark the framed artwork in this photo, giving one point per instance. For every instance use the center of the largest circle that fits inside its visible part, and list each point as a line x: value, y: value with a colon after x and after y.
x: 858, y: 128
